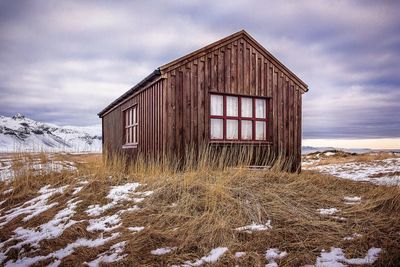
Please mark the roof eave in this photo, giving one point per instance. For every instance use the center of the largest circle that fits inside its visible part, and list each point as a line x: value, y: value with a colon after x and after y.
x: 148, y: 78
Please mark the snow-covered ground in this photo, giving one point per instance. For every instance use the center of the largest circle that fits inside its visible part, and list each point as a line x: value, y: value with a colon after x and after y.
x: 11, y: 167
x: 106, y: 227
x: 18, y: 134
x: 381, y: 172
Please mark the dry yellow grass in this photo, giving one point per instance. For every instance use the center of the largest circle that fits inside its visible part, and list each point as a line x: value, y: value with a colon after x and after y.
x: 197, y: 207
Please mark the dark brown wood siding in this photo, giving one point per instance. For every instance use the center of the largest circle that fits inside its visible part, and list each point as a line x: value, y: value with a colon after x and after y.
x: 150, y: 118
x: 236, y: 68
x: 174, y: 112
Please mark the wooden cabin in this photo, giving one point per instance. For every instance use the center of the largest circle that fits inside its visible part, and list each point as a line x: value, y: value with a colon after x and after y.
x: 230, y: 93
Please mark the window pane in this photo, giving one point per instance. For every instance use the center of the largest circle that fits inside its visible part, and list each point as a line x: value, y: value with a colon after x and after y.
x: 134, y: 135
x: 126, y: 136
x: 232, y: 106
x: 247, y: 130
x: 260, y: 130
x: 260, y: 108
x: 231, y: 129
x: 217, y: 105
x: 216, y: 129
x: 126, y: 118
x: 134, y: 116
x: 247, y: 107
x: 131, y: 135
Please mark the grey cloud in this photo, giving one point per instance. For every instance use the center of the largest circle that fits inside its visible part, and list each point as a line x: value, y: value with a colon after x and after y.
x: 63, y: 61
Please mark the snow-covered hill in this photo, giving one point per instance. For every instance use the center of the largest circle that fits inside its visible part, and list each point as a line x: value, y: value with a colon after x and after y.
x: 19, y: 133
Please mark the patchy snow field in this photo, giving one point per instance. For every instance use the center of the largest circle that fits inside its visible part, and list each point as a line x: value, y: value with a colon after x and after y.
x: 104, y: 227
x: 380, y: 171
x: 14, y: 165
x: 120, y: 220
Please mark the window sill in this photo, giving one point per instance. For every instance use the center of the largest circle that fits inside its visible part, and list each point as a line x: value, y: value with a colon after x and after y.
x: 129, y: 146
x: 240, y: 142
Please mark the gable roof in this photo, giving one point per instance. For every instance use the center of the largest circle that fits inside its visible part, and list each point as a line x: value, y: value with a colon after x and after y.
x: 198, y: 53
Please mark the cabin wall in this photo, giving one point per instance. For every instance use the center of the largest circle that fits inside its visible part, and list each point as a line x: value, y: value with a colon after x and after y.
x: 150, y: 120
x: 237, y: 68
x: 174, y: 112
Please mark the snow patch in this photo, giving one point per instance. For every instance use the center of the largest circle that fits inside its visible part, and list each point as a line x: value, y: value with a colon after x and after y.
x: 136, y: 228
x: 329, y: 211
x: 272, y: 255
x: 77, y: 190
x: 212, y: 257
x: 58, y: 255
x: 352, y: 199
x: 104, y: 224
x: 117, y: 195
x: 255, y: 227
x: 162, y: 251
x: 336, y: 257
x: 353, y: 236
x: 8, y: 191
x: 240, y: 254
x: 113, y: 255
x: 32, y: 207
x: 50, y: 230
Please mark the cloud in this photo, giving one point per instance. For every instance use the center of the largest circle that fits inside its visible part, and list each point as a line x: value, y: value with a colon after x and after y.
x: 64, y: 61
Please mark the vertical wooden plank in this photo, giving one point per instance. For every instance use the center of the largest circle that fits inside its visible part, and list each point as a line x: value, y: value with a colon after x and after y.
x: 240, y: 71
x: 262, y: 76
x: 286, y: 110
x: 275, y: 99
x: 194, y: 100
x: 300, y: 130
x: 172, y: 120
x: 149, y: 108
x: 227, y: 66
x: 291, y: 122
x: 214, y: 73
x: 234, y: 73
x: 270, y: 80
x: 163, y: 114
x: 155, y: 131
x: 208, y: 76
x: 253, y: 72
x: 221, y: 70
x: 295, y: 121
x: 186, y: 105
x: 246, y: 67
x: 201, y: 73
x: 281, y: 112
x: 179, y: 113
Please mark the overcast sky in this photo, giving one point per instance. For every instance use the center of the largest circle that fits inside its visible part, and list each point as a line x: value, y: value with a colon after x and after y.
x: 63, y: 61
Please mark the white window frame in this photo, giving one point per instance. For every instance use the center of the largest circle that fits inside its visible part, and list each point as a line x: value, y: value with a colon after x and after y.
x: 131, y: 127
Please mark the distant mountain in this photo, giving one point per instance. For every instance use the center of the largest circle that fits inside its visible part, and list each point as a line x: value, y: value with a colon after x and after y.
x: 19, y: 133
x: 310, y: 149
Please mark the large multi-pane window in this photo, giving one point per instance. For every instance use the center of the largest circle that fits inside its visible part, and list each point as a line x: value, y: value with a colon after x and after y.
x: 240, y: 118
x: 131, y: 126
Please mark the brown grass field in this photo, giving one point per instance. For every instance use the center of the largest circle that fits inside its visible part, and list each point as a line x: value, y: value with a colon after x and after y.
x: 199, y: 207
